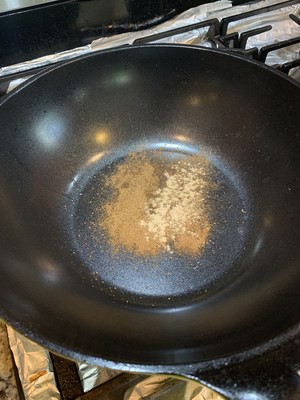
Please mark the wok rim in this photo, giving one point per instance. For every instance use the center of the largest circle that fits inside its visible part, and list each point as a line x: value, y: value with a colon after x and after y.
x: 180, y: 369
x: 183, y: 369
x: 225, y: 52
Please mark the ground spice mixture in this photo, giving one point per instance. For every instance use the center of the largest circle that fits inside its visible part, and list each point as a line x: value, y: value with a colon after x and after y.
x: 158, y: 205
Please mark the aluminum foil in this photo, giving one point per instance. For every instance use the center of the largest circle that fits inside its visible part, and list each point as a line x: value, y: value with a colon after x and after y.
x: 283, y: 28
x: 38, y: 381
x: 160, y: 387
x: 155, y: 387
x: 46, y: 60
x: 191, y: 16
x: 9, y: 5
x: 34, y: 367
x: 92, y: 376
x: 37, y: 378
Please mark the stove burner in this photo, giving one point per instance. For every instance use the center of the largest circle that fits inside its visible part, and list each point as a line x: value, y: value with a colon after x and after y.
x: 219, y: 37
x: 219, y: 34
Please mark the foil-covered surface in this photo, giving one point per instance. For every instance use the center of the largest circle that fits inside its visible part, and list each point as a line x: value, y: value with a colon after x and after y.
x: 155, y: 387
x: 34, y: 367
x: 189, y: 17
x: 160, y: 387
x: 46, y: 60
x: 283, y: 28
x: 38, y: 381
x: 92, y: 376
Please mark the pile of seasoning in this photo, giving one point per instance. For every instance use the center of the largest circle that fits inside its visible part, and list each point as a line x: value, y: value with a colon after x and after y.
x: 158, y: 205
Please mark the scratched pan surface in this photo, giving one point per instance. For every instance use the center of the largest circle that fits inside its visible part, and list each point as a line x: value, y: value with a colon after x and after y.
x: 63, y: 133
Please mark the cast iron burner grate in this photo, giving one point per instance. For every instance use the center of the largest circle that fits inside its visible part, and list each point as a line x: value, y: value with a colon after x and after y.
x: 219, y: 37
x: 70, y: 387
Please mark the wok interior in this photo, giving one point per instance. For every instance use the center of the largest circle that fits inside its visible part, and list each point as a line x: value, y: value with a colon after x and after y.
x: 64, y: 132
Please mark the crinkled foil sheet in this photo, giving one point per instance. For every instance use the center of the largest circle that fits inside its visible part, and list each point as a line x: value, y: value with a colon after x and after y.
x: 38, y: 381
x: 92, y: 376
x: 283, y: 28
x: 160, y: 387
x: 34, y: 367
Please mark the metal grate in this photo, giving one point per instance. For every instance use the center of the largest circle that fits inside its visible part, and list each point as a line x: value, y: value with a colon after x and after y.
x: 69, y: 384
x: 219, y: 37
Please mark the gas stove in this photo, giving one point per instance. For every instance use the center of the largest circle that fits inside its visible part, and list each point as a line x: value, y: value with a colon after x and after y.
x: 267, y: 31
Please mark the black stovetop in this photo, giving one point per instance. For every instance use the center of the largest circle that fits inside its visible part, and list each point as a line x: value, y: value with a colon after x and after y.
x: 33, y: 32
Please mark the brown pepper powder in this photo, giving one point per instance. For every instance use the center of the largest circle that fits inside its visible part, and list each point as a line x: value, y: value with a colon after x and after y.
x: 158, y: 206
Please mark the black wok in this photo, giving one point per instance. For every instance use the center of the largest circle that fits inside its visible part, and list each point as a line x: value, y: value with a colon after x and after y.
x: 231, y: 314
